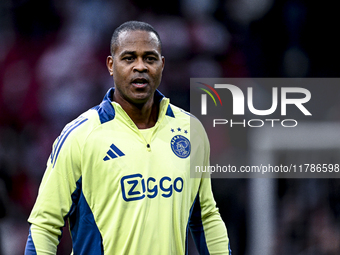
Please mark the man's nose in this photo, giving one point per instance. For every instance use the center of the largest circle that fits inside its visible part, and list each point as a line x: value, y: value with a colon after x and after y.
x: 140, y: 66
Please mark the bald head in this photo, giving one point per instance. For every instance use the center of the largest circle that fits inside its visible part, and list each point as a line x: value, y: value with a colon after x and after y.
x: 132, y: 26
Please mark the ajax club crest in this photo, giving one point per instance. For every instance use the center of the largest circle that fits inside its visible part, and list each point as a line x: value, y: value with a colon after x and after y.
x: 180, y: 145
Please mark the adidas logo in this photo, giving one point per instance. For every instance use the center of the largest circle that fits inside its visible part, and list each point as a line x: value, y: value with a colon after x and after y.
x: 114, y: 152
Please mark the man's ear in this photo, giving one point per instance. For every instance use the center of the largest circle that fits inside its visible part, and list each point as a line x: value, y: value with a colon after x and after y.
x: 109, y: 64
x: 163, y: 61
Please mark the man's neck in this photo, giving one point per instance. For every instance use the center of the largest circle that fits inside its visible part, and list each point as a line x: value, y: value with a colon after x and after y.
x: 143, y: 115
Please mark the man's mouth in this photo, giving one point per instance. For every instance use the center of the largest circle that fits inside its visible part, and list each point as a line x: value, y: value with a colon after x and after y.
x: 140, y: 82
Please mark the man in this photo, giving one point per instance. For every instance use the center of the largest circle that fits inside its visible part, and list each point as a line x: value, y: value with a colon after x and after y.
x: 120, y: 172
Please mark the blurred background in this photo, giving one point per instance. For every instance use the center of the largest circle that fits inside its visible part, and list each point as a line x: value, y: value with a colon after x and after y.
x: 52, y: 68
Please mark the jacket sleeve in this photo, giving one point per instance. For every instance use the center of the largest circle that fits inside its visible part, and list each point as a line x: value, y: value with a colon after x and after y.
x: 54, y: 199
x: 206, y: 225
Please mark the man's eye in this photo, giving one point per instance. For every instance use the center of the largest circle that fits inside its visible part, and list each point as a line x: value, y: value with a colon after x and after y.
x: 150, y: 59
x: 128, y: 59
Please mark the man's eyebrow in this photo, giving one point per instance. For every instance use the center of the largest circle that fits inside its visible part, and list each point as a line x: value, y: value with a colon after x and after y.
x: 127, y: 52
x: 149, y: 52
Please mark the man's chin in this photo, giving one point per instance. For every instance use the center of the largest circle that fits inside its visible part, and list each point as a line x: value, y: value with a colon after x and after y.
x: 140, y: 99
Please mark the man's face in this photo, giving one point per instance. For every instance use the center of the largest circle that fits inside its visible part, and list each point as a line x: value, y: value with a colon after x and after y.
x: 136, y: 67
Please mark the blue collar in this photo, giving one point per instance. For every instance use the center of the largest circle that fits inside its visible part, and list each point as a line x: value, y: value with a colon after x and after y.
x: 106, y: 111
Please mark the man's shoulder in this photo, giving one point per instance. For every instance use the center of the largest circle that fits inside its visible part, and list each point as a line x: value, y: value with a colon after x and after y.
x: 181, y: 113
x: 81, y: 126
x: 184, y: 115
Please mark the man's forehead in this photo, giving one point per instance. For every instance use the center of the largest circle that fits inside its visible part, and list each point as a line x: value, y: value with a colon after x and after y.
x: 132, y: 38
